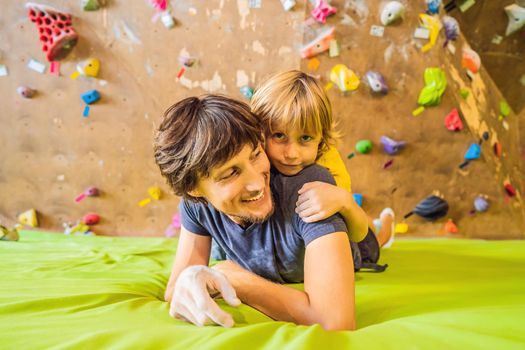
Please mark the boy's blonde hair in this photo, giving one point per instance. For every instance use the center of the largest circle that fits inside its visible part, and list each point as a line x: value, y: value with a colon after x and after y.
x: 294, y: 99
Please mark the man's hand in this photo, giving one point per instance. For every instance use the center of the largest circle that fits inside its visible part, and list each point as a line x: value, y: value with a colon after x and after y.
x: 192, y: 301
x: 233, y: 272
x: 319, y: 200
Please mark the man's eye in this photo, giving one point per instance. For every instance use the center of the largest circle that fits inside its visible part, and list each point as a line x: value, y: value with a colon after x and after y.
x: 256, y: 154
x: 229, y: 175
x: 279, y: 136
x: 306, y: 138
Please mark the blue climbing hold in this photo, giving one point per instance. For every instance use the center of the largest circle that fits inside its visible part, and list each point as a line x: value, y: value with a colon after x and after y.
x: 473, y: 152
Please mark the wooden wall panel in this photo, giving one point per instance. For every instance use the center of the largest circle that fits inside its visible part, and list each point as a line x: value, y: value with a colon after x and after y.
x: 50, y: 153
x: 430, y: 161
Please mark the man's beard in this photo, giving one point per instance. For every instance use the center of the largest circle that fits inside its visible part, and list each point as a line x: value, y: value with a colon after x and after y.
x: 246, y: 221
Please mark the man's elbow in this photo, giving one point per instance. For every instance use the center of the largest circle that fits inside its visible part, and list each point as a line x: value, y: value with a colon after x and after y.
x: 335, y: 321
x: 338, y: 325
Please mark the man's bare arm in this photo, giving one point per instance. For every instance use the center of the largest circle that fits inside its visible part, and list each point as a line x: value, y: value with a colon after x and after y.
x: 192, y: 249
x: 328, y: 297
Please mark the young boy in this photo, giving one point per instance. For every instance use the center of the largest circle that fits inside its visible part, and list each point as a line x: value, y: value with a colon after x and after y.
x: 297, y: 120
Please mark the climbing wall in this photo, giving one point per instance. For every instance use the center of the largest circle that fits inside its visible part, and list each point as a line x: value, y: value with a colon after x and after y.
x: 430, y: 161
x: 51, y: 153
x: 502, y: 55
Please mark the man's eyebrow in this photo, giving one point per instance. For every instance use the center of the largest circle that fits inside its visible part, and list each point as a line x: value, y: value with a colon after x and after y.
x: 217, y: 173
x: 228, y: 165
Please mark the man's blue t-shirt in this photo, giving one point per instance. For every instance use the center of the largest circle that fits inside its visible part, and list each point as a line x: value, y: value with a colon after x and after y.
x: 275, y: 248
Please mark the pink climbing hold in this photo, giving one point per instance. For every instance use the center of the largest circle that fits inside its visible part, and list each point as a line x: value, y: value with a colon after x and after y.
x: 453, y: 121
x: 175, y: 220
x: 173, y: 228
x: 91, y: 219
x: 160, y: 5
x: 322, y: 10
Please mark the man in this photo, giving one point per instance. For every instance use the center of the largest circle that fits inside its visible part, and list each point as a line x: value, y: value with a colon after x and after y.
x: 210, y: 151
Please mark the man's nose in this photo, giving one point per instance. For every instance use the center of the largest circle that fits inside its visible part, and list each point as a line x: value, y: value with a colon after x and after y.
x: 255, y: 180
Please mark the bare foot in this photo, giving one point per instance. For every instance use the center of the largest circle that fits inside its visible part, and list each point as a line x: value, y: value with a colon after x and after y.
x: 385, y: 236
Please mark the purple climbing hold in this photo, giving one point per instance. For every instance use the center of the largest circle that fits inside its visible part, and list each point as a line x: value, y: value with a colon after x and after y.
x: 391, y: 146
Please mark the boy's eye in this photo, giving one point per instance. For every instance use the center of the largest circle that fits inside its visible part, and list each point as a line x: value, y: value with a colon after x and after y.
x: 306, y: 138
x: 279, y: 136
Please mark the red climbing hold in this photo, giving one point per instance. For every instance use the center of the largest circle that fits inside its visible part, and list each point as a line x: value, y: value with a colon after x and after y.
x: 453, y: 121
x: 451, y: 227
x: 497, y: 149
x: 55, y: 30
x: 511, y: 191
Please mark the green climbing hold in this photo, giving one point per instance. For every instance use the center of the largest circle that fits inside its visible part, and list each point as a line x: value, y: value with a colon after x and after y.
x: 435, y: 84
x: 363, y: 146
x: 504, y: 109
x: 464, y: 93
x: 90, y: 5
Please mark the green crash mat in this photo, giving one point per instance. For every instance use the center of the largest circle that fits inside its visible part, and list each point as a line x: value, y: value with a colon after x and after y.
x: 80, y: 292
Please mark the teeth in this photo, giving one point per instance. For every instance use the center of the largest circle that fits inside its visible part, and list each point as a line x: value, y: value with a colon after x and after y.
x: 259, y: 196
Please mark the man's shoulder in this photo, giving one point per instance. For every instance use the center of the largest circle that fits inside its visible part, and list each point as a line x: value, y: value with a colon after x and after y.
x: 285, y: 188
x: 311, y: 173
x: 196, y: 208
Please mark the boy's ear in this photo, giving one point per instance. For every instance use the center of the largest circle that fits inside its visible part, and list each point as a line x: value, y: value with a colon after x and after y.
x: 195, y: 193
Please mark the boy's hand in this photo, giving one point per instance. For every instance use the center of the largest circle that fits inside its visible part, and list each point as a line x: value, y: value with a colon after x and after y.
x: 319, y: 200
x: 192, y: 301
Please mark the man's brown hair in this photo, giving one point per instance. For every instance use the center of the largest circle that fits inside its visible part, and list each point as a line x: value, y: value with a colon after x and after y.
x: 200, y: 133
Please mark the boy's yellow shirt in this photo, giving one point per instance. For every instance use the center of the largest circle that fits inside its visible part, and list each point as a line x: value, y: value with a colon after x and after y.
x: 331, y: 160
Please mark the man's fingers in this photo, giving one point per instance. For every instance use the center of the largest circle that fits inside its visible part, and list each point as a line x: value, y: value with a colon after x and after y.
x: 227, y: 291
x: 201, y: 318
x: 212, y: 310
x: 180, y: 311
x: 217, y: 315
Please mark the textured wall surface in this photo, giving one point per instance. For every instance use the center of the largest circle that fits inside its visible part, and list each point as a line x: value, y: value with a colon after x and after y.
x: 430, y: 161
x: 50, y: 153
x: 503, y: 57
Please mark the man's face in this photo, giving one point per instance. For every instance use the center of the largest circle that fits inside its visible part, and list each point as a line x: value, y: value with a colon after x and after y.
x: 240, y: 188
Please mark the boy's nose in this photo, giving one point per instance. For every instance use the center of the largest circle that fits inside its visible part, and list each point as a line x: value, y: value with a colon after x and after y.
x: 290, y: 151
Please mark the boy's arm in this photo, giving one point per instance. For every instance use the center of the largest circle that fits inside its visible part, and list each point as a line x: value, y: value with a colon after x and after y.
x: 319, y: 200
x: 355, y: 218
x: 328, y: 297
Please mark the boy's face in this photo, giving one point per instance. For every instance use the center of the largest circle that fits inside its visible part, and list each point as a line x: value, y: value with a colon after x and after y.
x: 240, y: 188
x: 290, y: 151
